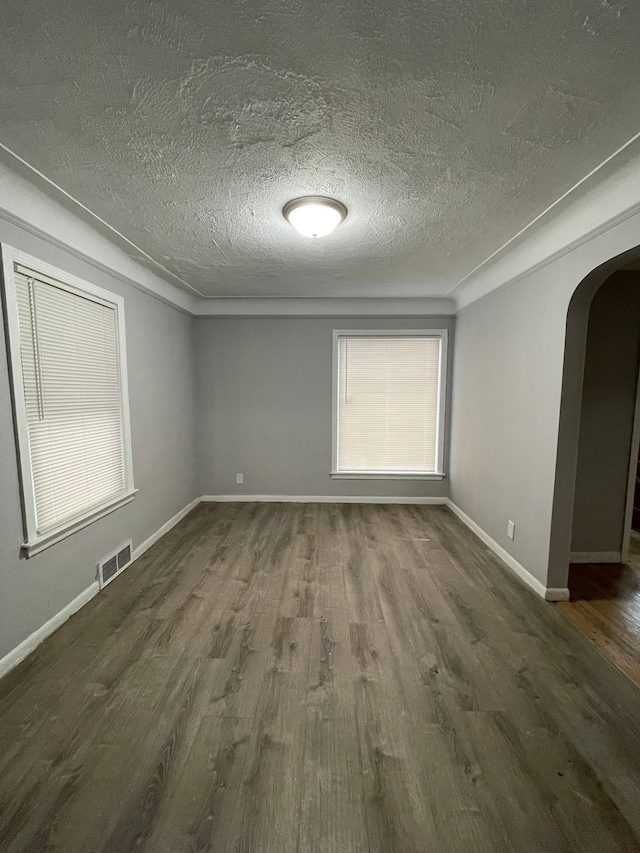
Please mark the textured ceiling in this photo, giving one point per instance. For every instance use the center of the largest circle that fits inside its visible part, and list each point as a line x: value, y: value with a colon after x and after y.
x: 444, y: 126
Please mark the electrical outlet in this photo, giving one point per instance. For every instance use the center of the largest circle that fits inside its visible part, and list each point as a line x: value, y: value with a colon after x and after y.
x: 239, y: 479
x: 511, y: 529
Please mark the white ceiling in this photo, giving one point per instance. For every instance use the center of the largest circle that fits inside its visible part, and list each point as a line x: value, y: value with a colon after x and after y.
x: 445, y: 126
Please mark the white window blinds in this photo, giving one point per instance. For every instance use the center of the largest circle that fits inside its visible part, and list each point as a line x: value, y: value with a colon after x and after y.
x: 388, y: 406
x: 74, y: 413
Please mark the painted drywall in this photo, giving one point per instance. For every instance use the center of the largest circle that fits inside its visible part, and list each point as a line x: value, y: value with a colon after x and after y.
x: 264, y: 398
x: 597, y: 205
x: 161, y: 390
x: 326, y: 306
x: 508, y: 358
x: 40, y: 209
x: 509, y: 459
x: 607, y: 415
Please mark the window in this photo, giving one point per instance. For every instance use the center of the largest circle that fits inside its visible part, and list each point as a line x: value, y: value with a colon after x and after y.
x: 66, y: 340
x: 389, y: 393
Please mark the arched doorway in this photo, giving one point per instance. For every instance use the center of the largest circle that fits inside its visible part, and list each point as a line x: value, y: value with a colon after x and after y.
x: 608, y: 437
x: 570, y: 412
x: 599, y: 433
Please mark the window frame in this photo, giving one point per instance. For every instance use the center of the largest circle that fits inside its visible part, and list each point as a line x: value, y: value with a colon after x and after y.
x: 443, y: 336
x: 34, y: 541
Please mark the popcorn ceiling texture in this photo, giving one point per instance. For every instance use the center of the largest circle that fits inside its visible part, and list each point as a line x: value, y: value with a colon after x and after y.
x: 443, y: 125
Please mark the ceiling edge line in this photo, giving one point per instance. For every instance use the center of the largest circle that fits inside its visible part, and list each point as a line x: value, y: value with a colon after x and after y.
x: 19, y: 222
x: 547, y: 210
x: 318, y: 307
x: 585, y: 238
x: 98, y: 218
x: 308, y: 298
x: 333, y: 316
x: 592, y: 234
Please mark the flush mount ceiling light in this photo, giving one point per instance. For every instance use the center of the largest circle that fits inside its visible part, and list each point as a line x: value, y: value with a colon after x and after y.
x: 314, y: 215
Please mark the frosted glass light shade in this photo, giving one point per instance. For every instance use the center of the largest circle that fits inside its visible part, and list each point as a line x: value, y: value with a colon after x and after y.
x: 314, y: 216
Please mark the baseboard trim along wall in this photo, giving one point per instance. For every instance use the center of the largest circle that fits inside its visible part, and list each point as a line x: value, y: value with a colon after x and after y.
x: 548, y: 593
x: 166, y: 527
x: 595, y: 557
x: 17, y: 655
x: 319, y: 499
x: 25, y: 648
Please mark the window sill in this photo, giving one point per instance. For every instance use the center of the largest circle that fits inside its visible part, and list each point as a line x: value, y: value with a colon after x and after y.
x: 45, y: 540
x: 366, y: 475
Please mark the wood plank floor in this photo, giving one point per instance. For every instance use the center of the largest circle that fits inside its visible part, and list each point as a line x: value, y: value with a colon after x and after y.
x: 605, y: 607
x: 321, y: 679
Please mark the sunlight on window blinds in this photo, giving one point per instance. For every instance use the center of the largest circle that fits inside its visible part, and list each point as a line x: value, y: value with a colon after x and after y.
x: 388, y: 404
x: 69, y: 353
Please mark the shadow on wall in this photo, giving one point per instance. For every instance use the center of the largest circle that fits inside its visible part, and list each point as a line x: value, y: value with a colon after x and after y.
x: 597, y: 435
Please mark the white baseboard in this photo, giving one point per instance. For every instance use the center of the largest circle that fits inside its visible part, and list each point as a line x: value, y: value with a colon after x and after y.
x: 329, y: 499
x: 595, y: 557
x: 166, y: 527
x: 556, y: 593
x: 20, y: 652
x: 548, y: 593
x: 8, y: 662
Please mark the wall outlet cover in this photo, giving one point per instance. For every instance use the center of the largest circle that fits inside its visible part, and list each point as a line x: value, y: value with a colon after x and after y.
x: 511, y: 529
x: 239, y: 479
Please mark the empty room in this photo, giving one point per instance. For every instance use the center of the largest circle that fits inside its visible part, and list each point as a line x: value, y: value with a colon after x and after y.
x: 320, y: 426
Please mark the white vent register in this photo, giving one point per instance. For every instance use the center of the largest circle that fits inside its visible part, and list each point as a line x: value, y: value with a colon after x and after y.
x: 111, y: 566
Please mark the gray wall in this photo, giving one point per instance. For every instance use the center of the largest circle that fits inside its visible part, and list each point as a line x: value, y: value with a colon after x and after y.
x: 607, y: 418
x: 161, y: 388
x: 264, y: 392
x: 508, y: 370
x: 509, y: 401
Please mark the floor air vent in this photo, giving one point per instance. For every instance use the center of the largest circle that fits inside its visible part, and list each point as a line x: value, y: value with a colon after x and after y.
x: 124, y: 556
x: 114, y: 563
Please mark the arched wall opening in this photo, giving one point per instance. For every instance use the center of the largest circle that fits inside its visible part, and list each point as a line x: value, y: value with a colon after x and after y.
x: 606, y: 296
x: 608, y: 438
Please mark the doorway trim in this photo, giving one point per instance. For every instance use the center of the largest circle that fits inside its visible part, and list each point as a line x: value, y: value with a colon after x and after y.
x: 577, y: 320
x: 631, y: 481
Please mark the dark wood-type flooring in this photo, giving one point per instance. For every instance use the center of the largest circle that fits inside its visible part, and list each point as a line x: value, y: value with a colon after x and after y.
x: 321, y: 679
x: 605, y: 606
